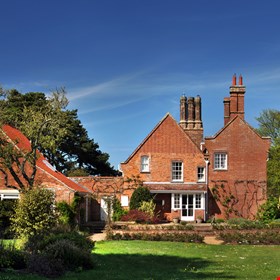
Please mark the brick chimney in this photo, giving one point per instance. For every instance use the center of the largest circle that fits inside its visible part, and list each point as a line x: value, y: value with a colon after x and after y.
x: 183, y: 112
x: 234, y: 105
x: 190, y: 118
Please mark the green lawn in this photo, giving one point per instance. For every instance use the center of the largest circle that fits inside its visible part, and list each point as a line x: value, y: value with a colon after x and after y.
x: 170, y: 260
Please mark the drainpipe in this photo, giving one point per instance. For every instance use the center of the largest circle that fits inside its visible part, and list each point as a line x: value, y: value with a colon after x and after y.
x: 206, y: 193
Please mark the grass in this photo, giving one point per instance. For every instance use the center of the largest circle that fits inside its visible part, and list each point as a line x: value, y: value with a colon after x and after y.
x: 171, y: 260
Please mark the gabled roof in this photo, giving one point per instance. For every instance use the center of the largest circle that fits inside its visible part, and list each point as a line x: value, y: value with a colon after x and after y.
x: 22, y: 143
x: 164, y: 119
x: 229, y: 123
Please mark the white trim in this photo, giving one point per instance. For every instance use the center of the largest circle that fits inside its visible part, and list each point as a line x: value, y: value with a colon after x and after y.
x: 9, y: 194
x: 172, y: 183
x: 175, y: 191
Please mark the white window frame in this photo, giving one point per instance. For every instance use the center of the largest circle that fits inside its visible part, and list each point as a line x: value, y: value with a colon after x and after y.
x: 145, y: 164
x: 198, y: 201
x: 176, y: 169
x: 124, y: 200
x: 220, y: 161
x: 200, y: 174
x: 9, y: 194
x: 176, y: 201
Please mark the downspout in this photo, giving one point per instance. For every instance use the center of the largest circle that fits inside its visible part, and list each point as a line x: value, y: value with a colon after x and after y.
x: 207, y: 190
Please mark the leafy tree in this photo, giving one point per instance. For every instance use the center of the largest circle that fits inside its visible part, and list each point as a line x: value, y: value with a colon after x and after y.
x: 43, y: 126
x: 269, y: 125
x: 34, y: 213
x: 55, y: 131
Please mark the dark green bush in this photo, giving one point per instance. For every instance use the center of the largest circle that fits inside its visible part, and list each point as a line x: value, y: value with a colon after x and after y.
x: 118, y: 210
x: 270, y: 210
x: 10, y: 257
x: 38, y: 243
x: 139, y: 195
x: 7, y: 210
x: 71, y: 256
x: 66, y: 213
x: 45, y: 265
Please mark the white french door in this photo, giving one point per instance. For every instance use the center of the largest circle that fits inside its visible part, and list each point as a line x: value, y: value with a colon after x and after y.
x: 187, y: 207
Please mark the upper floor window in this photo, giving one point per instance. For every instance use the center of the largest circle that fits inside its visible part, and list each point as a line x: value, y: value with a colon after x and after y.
x: 145, y: 164
x: 177, y: 171
x: 220, y: 161
x: 201, y: 174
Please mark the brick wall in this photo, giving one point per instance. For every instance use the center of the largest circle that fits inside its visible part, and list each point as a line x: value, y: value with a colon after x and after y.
x: 245, y: 178
x: 168, y: 142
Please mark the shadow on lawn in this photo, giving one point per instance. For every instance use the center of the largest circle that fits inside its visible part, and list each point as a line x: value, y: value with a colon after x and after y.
x: 118, y: 266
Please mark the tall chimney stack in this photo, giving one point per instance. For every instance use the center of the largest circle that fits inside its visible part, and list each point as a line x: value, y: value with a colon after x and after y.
x: 190, y: 118
x: 234, y: 105
x: 183, y: 112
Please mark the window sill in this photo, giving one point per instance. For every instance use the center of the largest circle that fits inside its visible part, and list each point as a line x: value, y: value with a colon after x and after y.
x: 218, y: 169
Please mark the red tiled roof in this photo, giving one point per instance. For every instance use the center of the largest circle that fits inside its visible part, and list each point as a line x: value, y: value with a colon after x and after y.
x: 22, y: 142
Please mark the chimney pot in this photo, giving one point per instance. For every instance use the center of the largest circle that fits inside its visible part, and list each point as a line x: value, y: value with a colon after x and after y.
x: 240, y: 82
x: 234, y: 80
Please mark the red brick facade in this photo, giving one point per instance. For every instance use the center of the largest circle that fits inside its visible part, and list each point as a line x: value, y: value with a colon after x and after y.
x: 167, y: 144
x: 233, y: 162
x: 223, y: 176
x: 240, y: 187
x: 46, y: 175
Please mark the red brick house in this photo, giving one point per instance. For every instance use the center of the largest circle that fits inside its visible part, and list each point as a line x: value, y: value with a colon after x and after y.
x: 223, y: 176
x: 46, y: 176
x: 237, y: 162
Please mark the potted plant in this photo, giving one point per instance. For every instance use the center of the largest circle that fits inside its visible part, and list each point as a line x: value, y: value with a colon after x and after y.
x: 199, y: 219
x: 175, y: 216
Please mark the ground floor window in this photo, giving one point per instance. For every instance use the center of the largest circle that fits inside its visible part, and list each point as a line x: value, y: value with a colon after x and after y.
x: 177, y: 201
x: 196, y: 199
x: 188, y: 203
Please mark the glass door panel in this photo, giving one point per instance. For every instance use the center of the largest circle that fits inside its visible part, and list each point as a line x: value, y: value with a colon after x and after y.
x: 187, y: 207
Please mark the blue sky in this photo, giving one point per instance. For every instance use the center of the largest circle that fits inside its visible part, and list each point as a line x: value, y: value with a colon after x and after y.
x: 125, y: 63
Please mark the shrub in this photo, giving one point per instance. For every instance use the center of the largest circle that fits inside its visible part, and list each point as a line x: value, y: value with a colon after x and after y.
x: 118, y: 211
x: 251, y: 238
x: 241, y: 223
x: 139, y: 195
x: 270, y: 210
x: 45, y: 265
x: 175, y: 237
x: 10, y: 257
x: 34, y: 213
x: 71, y: 256
x: 274, y: 224
x: 139, y: 217
x: 38, y: 243
x: 66, y: 213
x: 7, y: 209
x: 148, y: 207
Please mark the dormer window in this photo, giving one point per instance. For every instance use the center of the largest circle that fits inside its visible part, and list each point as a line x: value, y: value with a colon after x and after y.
x: 145, y: 164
